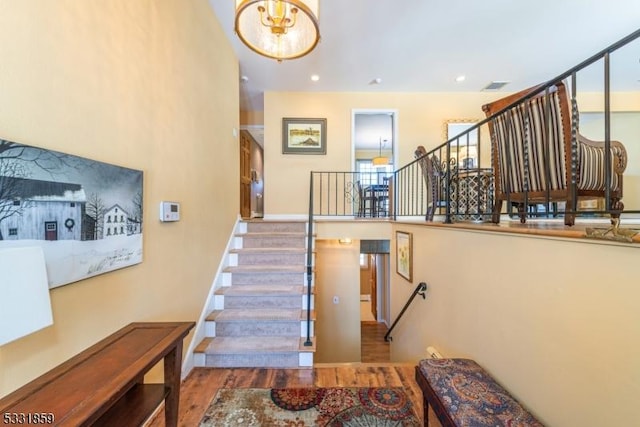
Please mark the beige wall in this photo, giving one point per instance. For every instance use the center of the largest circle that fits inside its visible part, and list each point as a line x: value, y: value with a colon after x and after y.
x: 557, y: 322
x: 619, y: 101
x: 150, y: 85
x: 420, y: 122
x: 625, y: 125
x: 337, y: 274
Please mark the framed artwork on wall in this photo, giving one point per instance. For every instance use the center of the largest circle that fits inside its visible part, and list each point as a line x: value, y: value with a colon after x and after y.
x: 404, y: 256
x: 304, y: 136
x: 86, y: 215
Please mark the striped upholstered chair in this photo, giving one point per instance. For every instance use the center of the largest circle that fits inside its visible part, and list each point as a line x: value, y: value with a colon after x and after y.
x: 531, y: 154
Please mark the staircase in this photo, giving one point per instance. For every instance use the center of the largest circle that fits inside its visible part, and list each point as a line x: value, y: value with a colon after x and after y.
x: 259, y: 318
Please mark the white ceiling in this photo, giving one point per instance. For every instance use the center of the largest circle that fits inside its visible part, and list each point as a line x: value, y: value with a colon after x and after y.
x: 421, y: 45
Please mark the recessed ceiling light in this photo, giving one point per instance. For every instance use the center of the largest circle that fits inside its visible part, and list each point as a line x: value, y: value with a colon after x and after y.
x: 315, y: 77
x: 460, y: 78
x: 376, y: 81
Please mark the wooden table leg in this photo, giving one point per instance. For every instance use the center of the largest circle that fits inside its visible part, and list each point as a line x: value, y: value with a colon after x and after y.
x: 172, y: 369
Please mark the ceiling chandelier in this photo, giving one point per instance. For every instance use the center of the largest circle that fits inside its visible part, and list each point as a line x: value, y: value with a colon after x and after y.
x: 279, y: 29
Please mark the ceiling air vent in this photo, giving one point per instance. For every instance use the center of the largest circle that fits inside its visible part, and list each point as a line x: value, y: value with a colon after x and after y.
x: 495, y: 85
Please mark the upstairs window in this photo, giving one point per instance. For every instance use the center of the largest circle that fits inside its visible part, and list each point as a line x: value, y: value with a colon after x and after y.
x: 370, y: 174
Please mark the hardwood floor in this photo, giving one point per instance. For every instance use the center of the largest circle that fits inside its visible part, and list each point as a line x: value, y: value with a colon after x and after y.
x: 373, y: 347
x: 202, y: 384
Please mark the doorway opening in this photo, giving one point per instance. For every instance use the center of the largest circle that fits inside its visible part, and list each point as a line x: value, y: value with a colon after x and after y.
x: 251, y: 172
x: 375, y: 312
x: 374, y: 136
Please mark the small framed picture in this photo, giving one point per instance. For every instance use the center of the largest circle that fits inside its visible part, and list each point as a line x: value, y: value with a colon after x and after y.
x: 404, y: 255
x: 304, y: 136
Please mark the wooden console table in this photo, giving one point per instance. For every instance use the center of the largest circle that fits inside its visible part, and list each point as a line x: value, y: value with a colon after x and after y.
x: 104, y: 385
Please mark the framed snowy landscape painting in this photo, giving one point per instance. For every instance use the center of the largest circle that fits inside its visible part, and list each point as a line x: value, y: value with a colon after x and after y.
x: 85, y: 215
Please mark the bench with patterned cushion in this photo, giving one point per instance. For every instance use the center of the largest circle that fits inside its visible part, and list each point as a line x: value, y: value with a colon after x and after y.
x: 462, y: 394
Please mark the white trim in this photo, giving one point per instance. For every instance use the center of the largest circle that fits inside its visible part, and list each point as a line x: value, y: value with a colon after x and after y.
x: 305, y: 360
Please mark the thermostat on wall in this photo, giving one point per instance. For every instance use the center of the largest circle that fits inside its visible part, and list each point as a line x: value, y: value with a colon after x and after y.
x: 169, y: 211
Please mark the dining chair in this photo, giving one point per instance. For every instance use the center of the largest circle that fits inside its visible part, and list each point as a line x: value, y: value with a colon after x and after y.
x: 366, y: 202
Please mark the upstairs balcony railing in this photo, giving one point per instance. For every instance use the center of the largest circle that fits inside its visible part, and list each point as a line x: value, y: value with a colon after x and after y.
x: 351, y: 194
x: 527, y: 159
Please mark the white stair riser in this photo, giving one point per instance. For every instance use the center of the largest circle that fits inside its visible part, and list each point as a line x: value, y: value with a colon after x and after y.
x: 210, y: 328
x: 305, y: 360
x: 304, y: 302
x: 218, y: 302
x: 199, y: 360
x: 233, y: 260
x: 303, y: 329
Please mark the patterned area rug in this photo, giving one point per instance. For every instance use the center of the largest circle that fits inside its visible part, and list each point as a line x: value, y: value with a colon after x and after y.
x: 302, y: 407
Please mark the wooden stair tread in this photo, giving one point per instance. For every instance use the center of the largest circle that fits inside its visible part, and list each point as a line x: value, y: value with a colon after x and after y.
x: 269, y: 344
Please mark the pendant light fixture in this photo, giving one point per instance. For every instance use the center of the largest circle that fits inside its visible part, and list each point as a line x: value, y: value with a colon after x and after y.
x: 278, y: 29
x: 380, y: 160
